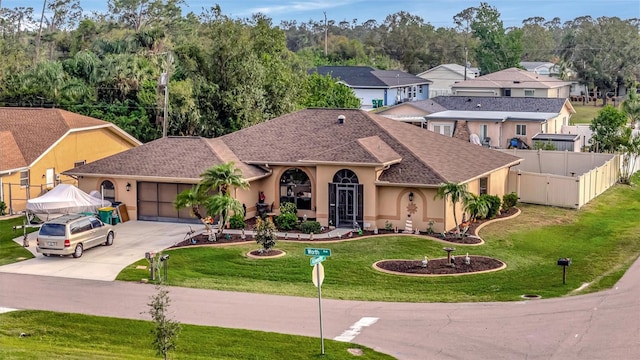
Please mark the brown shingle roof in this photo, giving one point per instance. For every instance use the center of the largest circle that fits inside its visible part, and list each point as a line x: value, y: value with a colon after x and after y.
x: 30, y: 132
x: 169, y: 158
x: 426, y: 158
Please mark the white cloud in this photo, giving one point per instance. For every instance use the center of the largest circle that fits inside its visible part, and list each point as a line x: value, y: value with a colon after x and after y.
x: 300, y: 6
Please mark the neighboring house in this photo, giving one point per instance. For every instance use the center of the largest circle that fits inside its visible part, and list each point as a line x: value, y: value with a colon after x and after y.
x: 513, y: 82
x: 37, y: 145
x: 497, y: 120
x: 377, y: 88
x: 541, y: 68
x: 412, y: 112
x: 443, y: 76
x: 339, y: 167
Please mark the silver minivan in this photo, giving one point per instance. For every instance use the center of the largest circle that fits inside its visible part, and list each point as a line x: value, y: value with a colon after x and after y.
x: 72, y: 234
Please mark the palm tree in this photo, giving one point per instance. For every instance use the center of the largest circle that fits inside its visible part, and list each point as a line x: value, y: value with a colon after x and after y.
x: 455, y: 193
x: 221, y: 178
x: 631, y: 107
x: 223, y: 205
x: 476, y: 206
x: 193, y: 198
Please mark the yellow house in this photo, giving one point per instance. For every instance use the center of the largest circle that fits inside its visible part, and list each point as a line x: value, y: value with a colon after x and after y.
x: 37, y: 145
x: 340, y: 167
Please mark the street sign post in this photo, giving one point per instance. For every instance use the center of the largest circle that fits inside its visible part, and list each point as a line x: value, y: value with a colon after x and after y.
x: 317, y: 252
x: 317, y: 276
x: 316, y: 260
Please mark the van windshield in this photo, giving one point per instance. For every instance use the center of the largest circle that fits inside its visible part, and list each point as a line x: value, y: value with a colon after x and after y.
x: 52, y: 230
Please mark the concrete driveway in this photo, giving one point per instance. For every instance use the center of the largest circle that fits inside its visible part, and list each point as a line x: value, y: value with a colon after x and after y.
x: 133, y: 239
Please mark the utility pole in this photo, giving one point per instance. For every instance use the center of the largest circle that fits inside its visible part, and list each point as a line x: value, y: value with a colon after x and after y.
x: 325, y: 33
x: 35, y: 60
x: 466, y: 62
x: 164, y: 82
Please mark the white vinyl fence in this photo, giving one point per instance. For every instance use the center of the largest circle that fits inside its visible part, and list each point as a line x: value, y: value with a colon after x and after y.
x: 562, y: 178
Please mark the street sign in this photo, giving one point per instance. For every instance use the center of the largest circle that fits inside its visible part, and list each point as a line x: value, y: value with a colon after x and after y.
x: 317, y: 252
x: 317, y: 260
x: 317, y: 275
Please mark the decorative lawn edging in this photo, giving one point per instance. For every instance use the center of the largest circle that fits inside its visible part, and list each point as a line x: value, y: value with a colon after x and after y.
x: 518, y: 212
x: 278, y: 254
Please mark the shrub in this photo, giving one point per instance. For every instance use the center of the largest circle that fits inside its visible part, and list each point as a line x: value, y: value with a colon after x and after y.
x: 3, y: 207
x: 309, y: 227
x: 237, y: 221
x: 388, y: 225
x: 286, y: 221
x: 288, y: 208
x: 542, y: 145
x: 509, y: 200
x: 494, y: 203
x: 265, y: 234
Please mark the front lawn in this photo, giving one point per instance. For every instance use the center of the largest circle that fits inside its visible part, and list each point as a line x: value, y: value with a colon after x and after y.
x: 601, y: 239
x: 50, y: 335
x: 10, y: 251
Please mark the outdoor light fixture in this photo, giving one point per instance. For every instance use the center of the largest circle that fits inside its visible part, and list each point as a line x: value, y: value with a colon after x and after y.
x: 128, y: 187
x: 411, y: 196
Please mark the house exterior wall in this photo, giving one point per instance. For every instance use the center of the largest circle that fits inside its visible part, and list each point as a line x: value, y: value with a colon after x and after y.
x: 394, y: 207
x: 561, y: 92
x: 366, y: 97
x: 441, y: 80
x: 88, y: 145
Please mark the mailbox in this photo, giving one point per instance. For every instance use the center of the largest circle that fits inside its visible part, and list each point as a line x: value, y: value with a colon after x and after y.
x: 564, y: 261
x: 164, y: 257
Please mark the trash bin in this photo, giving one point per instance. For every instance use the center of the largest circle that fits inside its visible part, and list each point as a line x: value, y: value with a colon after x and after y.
x: 105, y: 214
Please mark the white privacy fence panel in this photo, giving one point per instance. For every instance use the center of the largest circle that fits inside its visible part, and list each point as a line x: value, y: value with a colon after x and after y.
x: 562, y: 178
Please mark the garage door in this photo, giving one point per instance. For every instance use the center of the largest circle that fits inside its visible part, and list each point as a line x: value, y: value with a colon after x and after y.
x: 155, y: 202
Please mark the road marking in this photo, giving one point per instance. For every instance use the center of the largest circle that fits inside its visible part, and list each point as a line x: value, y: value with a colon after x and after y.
x: 6, y: 309
x: 355, y: 329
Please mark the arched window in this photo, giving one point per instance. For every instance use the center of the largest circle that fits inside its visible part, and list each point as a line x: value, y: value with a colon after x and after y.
x: 108, y: 190
x: 295, y: 187
x: 345, y: 176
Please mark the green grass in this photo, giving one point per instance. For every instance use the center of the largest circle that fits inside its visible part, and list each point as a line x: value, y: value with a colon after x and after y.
x: 10, y: 251
x: 73, y: 336
x: 585, y: 113
x: 601, y: 239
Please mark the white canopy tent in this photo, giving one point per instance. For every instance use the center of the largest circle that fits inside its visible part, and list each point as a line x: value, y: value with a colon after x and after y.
x: 64, y: 199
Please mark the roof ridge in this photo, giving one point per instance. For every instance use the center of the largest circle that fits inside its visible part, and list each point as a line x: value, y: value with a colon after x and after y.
x: 379, y: 119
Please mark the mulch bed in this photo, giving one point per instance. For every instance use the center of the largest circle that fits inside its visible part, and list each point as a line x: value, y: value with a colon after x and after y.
x: 268, y: 253
x: 439, y: 266
x: 471, y: 238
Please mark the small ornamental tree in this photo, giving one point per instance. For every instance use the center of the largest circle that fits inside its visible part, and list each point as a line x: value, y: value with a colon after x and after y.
x: 165, y: 330
x: 265, y: 234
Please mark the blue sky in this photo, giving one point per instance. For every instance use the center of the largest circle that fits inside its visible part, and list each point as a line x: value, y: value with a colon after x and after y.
x: 437, y: 12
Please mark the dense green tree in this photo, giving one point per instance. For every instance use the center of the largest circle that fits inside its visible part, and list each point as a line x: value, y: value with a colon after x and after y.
x: 326, y: 92
x: 497, y: 49
x: 538, y: 43
x: 608, y: 130
x: 631, y: 106
x: 605, y: 52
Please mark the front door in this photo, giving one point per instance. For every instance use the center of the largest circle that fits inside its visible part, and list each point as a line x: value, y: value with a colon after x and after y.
x: 346, y: 205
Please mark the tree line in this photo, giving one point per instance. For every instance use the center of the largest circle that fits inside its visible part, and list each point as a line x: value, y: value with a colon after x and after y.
x: 223, y: 74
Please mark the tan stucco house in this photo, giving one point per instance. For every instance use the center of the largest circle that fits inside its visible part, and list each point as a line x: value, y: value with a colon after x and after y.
x: 340, y: 167
x: 513, y: 82
x: 37, y: 145
x: 498, y: 120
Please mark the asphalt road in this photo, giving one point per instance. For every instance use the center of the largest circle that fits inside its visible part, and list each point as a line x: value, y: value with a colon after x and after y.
x: 604, y: 325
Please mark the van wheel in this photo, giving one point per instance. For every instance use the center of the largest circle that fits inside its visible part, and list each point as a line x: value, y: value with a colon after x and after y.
x: 78, y: 252
x: 47, y: 255
x: 109, y: 240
